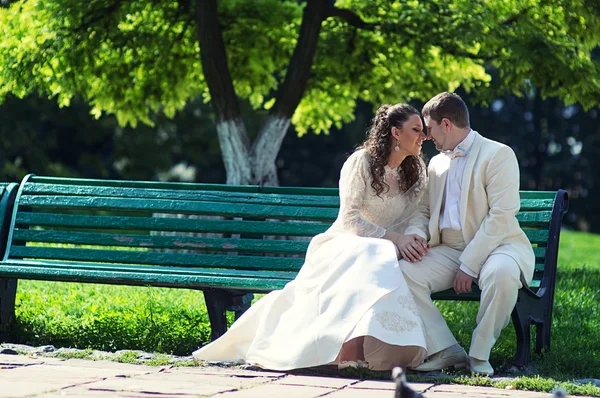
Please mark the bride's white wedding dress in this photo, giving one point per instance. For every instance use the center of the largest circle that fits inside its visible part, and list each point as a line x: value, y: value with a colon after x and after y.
x: 349, y: 286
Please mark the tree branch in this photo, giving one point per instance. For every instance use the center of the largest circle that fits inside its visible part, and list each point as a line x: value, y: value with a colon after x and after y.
x: 98, y: 15
x: 515, y: 18
x: 292, y: 89
x: 351, y: 17
x: 214, y: 62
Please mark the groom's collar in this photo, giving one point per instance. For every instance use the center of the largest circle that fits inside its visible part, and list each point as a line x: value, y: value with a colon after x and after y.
x: 466, y: 144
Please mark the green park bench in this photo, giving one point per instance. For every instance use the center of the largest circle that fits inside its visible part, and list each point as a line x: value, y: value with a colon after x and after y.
x: 231, y: 242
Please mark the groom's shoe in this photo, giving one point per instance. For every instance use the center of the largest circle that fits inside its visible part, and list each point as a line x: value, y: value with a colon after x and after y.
x: 454, y: 356
x: 480, y: 367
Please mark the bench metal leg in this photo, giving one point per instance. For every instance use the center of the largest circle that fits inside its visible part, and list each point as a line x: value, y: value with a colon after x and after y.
x: 217, y: 302
x: 522, y: 323
x: 240, y: 304
x: 8, y: 292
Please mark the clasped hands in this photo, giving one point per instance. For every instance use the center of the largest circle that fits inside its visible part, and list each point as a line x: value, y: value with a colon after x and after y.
x: 412, y: 248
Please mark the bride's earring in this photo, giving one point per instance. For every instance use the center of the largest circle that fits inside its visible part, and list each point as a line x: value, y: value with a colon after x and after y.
x: 397, y: 147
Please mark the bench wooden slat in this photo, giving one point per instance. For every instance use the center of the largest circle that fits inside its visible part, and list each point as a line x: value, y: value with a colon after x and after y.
x: 474, y: 295
x: 539, y: 252
x: 537, y: 236
x: 307, y: 200
x: 143, y: 184
x: 159, y: 258
x: 290, y: 228
x: 163, y: 242
x: 537, y: 194
x: 534, y: 218
x: 175, y: 206
x: 74, y: 274
x: 536, y: 204
x: 300, y: 191
x: 192, y: 195
x: 108, y: 267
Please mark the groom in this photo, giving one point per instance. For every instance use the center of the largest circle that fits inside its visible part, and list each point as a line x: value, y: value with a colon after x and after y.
x: 468, y: 215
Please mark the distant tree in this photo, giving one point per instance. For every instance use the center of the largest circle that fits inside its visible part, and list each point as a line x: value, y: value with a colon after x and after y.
x: 36, y: 136
x: 305, y: 63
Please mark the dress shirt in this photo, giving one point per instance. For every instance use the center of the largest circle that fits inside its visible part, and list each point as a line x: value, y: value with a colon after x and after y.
x: 450, y: 213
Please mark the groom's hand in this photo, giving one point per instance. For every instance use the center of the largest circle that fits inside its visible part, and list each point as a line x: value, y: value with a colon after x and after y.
x: 462, y: 282
x: 412, y: 247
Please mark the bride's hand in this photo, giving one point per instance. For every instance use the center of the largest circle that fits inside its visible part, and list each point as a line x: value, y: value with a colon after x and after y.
x: 412, y: 247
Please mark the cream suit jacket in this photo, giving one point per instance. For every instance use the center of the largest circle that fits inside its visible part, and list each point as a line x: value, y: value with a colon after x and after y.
x: 488, y: 206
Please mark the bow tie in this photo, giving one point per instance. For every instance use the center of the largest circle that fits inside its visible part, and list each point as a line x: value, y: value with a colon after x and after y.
x: 456, y: 153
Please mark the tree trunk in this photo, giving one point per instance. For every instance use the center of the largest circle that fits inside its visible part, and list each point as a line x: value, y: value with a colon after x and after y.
x: 236, y: 158
x: 233, y: 138
x: 265, y: 150
x: 242, y: 164
x: 266, y: 147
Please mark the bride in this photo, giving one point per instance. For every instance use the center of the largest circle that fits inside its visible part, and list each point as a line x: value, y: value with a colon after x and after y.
x: 349, y: 304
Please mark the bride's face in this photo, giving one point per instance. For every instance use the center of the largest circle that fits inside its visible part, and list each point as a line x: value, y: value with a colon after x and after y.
x: 411, y: 135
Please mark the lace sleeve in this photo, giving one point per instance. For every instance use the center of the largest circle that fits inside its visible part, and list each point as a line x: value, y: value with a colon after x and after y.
x: 354, y: 181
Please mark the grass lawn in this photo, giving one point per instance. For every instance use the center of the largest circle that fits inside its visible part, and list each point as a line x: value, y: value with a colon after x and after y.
x: 174, y: 321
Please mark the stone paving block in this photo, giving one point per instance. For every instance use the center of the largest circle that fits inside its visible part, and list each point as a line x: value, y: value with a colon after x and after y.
x: 214, y: 370
x: 117, y: 366
x: 37, y: 379
x: 388, y: 385
x: 315, y: 381
x: 169, y: 382
x: 361, y: 393
x: 85, y: 392
x: 19, y: 360
x: 457, y: 390
x: 278, y: 391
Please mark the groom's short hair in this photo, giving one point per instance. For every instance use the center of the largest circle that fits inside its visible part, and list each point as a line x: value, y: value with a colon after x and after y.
x: 447, y: 105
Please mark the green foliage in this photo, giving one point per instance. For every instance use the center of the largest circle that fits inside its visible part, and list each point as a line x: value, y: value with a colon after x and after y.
x: 134, y: 58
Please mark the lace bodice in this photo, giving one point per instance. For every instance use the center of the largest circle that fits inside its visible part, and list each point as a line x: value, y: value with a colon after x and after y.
x: 364, y: 213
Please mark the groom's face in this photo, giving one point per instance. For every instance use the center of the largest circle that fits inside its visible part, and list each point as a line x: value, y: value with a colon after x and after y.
x: 435, y: 133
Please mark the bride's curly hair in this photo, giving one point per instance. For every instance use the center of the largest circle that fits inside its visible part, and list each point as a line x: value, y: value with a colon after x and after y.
x: 379, y: 144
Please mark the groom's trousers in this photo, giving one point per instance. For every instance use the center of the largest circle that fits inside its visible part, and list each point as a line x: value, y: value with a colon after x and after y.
x: 499, y: 281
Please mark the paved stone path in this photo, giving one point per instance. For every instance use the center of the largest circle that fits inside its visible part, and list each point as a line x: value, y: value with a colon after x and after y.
x: 33, y: 376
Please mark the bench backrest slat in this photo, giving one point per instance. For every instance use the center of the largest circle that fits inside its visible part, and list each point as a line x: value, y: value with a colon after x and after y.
x: 196, y: 243
x: 78, y: 221
x: 191, y: 195
x: 181, y: 206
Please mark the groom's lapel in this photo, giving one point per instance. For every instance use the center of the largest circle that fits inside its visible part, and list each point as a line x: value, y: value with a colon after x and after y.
x: 441, y: 172
x: 467, y: 174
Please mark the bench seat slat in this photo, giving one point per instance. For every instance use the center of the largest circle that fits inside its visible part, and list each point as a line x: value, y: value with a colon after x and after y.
x: 108, y: 267
x: 474, y: 295
x: 175, y: 206
x: 171, y: 224
x: 210, y: 196
x: 159, y: 258
x: 196, y: 281
x: 162, y: 242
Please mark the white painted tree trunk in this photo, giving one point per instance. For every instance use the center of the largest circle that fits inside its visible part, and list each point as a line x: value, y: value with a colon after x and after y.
x: 256, y: 165
x: 266, y: 148
x: 235, y: 152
